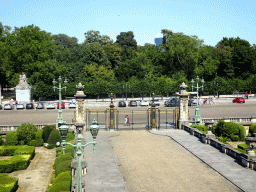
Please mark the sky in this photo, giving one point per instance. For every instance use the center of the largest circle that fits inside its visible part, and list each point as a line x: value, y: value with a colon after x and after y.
x: 210, y: 20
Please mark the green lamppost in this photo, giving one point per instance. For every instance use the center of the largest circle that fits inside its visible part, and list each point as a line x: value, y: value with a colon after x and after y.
x: 60, y: 117
x: 126, y: 89
x: 94, y: 129
x: 197, y: 116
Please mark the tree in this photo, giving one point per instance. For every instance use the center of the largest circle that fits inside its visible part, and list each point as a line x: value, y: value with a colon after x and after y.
x: 95, y: 37
x: 126, y: 39
x: 47, y: 131
x: 26, y: 132
x: 54, y: 137
x: 113, y: 52
x: 11, y: 138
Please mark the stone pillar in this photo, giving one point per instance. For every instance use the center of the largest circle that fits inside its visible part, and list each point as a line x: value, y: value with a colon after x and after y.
x: 183, y: 114
x: 153, y: 115
x: 80, y: 108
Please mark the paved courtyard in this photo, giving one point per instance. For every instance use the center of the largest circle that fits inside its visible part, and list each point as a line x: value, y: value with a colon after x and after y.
x: 138, y: 161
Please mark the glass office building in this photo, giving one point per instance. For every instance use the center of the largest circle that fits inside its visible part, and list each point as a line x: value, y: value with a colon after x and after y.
x: 158, y: 40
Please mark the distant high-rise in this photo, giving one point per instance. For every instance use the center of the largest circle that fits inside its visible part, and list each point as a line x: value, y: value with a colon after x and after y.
x: 158, y: 39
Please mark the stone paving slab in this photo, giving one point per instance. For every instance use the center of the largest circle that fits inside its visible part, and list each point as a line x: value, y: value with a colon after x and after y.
x: 225, y: 165
x: 103, y: 173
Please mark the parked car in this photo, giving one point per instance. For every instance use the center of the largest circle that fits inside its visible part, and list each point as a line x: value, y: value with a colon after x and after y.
x: 1, y: 107
x: 20, y: 106
x: 121, y: 104
x: 62, y: 105
x: 30, y: 106
x: 40, y: 106
x: 72, y: 105
x: 50, y: 106
x: 144, y: 103
x: 172, y: 102
x: 191, y: 102
x: 156, y: 101
x: 8, y: 107
x: 132, y: 103
x: 239, y: 100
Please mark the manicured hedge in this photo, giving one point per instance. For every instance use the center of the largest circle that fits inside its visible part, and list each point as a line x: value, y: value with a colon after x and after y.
x: 47, y: 131
x: 25, y: 150
x: 230, y: 130
x: 7, y: 183
x: 70, y: 137
x: 201, y: 128
x: 62, y: 158
x: 11, y: 138
x: 38, y: 140
x: 15, y: 163
x: 68, y: 150
x: 62, y: 167
x: 8, y: 150
x: 61, y: 186
x: 64, y: 176
x: 252, y: 129
x: 54, y: 137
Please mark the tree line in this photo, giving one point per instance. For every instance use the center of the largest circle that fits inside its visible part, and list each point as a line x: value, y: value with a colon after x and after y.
x: 104, y: 66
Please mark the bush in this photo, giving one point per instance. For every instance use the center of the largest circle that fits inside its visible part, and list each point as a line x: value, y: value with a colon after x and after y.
x: 11, y: 138
x: 50, y: 146
x: 62, y: 167
x: 201, y: 128
x: 7, y: 183
x: 25, y: 150
x: 230, y: 130
x: 1, y: 140
x: 68, y: 150
x: 62, y: 158
x: 61, y: 186
x: 39, y: 140
x: 242, y: 132
x: 70, y: 137
x: 8, y: 150
x: 243, y: 146
x: 47, y: 131
x: 64, y: 176
x: 15, y: 163
x: 26, y: 132
x: 54, y: 137
x: 252, y: 129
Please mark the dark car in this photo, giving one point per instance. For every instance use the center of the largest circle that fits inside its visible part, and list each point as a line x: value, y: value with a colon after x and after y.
x: 239, y: 100
x: 1, y: 107
x: 132, y: 103
x: 191, y: 102
x: 121, y: 104
x: 172, y: 102
x: 40, y: 106
x: 30, y: 106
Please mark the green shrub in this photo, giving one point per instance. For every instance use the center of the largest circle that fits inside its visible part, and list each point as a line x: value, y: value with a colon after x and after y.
x: 201, y: 128
x: 234, y: 137
x: 38, y: 139
x: 15, y: 163
x: 7, y: 183
x: 62, y: 158
x: 11, y: 138
x: 25, y: 150
x: 1, y: 140
x: 64, y: 176
x: 61, y: 186
x: 241, y: 150
x: 242, y: 132
x: 47, y: 131
x: 26, y: 132
x: 252, y: 129
x: 50, y: 146
x: 54, y: 137
x: 70, y: 137
x: 229, y: 130
x: 243, y: 146
x: 8, y: 150
x: 62, y: 167
x: 68, y: 150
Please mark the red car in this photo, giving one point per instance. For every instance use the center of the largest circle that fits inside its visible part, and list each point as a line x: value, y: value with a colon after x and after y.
x: 239, y: 100
x: 62, y: 105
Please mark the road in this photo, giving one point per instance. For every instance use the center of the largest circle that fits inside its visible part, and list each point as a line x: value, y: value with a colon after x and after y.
x: 44, y: 116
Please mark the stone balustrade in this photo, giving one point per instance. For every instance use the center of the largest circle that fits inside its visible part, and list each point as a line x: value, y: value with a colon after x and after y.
x: 243, y: 159
x: 239, y: 120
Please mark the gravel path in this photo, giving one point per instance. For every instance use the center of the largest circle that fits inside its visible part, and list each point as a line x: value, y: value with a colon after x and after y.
x: 37, y: 176
x: 157, y: 163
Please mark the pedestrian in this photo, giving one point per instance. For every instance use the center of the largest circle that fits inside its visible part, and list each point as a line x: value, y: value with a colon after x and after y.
x: 205, y: 101
x: 127, y: 121
x: 246, y: 95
